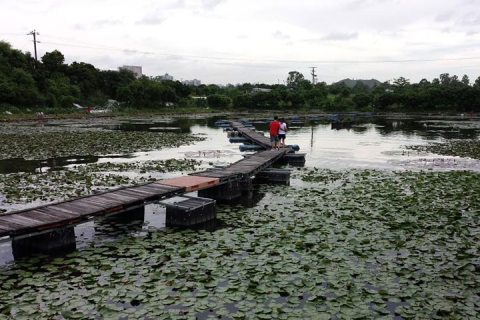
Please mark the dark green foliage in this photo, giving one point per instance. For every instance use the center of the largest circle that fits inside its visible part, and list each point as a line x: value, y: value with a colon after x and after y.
x: 218, y: 101
x: 352, y: 83
x: 243, y: 101
x: 50, y: 84
x: 362, y: 100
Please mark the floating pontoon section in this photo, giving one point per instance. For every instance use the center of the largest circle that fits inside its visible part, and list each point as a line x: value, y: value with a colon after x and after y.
x: 273, y: 176
x: 237, y: 139
x: 294, y: 159
x: 224, y: 192
x: 188, y: 211
x: 250, y: 147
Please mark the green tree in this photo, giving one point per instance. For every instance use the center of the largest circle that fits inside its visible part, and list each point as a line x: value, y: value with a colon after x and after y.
x: 477, y: 82
x: 362, y: 100
x: 294, y: 78
x: 424, y: 83
x: 11, y: 58
x: 87, y: 78
x: 445, y: 79
x: 61, y: 93
x: 360, y: 87
x: 243, y: 101
x: 218, y: 101
x: 110, y: 81
x: 401, y: 82
x: 53, y: 62
x: 339, y: 88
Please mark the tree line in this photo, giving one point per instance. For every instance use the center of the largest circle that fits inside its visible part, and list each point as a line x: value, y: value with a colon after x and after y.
x: 26, y: 83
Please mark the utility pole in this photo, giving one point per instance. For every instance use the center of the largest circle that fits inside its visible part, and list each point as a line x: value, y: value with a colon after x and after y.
x: 314, y: 76
x: 34, y: 34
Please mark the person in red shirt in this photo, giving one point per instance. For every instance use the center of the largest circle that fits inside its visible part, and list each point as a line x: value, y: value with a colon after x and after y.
x: 274, y: 126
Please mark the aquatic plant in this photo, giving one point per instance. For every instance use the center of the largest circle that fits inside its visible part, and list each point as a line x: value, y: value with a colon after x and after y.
x: 358, y: 244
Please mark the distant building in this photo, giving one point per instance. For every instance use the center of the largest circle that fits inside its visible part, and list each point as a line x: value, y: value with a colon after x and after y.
x: 255, y: 90
x: 166, y: 77
x: 137, y: 70
x: 193, y: 82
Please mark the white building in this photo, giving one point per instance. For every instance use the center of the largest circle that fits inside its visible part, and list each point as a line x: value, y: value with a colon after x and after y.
x: 137, y: 70
x: 193, y: 82
x: 166, y: 77
x: 255, y: 90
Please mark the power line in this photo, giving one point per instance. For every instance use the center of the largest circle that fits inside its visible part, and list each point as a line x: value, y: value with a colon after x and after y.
x: 263, y: 60
x: 11, y: 34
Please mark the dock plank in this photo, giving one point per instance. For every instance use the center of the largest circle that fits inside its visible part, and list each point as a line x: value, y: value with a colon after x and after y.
x: 18, y: 222
x: 61, y: 210
x: 45, y: 217
x: 127, y: 200
x: 79, y: 207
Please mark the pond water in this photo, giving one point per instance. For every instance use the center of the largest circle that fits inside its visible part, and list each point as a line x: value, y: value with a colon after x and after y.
x: 375, y: 143
x: 372, y: 143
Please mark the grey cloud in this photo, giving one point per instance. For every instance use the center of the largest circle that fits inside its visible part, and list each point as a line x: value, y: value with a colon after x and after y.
x: 159, y: 13
x: 152, y: 19
x: 129, y: 51
x: 210, y: 4
x: 471, y: 33
x: 176, y: 5
x: 280, y: 35
x: 342, y: 36
x: 444, y: 17
x: 357, y: 4
x: 440, y: 50
x: 470, y: 19
x: 98, y: 24
x: 360, y: 4
x: 176, y: 58
x: 79, y: 26
x: 103, y: 23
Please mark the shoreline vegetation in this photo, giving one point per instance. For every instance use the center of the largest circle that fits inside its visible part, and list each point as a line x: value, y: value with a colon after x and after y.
x: 53, y: 87
x: 195, y: 112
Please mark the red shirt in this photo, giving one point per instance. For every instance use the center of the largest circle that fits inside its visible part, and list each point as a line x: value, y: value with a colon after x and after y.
x: 274, y: 126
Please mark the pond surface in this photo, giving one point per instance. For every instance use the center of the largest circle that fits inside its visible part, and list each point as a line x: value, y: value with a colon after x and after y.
x: 373, y: 143
x: 363, y: 231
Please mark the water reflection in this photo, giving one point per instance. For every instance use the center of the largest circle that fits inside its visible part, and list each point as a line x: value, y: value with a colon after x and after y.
x: 52, y: 164
x: 369, y: 142
x: 427, y: 129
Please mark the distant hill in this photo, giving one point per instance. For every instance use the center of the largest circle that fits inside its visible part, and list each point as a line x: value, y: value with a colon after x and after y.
x: 351, y: 83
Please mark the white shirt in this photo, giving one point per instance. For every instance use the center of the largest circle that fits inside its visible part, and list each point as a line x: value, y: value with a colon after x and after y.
x: 283, y: 127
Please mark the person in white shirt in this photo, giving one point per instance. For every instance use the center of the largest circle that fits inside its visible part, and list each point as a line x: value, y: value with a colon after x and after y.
x: 282, y: 131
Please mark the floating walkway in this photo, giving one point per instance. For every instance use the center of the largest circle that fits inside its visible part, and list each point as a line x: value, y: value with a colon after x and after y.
x: 26, y: 227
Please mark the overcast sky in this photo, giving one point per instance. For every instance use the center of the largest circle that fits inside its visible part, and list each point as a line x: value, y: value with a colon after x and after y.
x: 237, y: 41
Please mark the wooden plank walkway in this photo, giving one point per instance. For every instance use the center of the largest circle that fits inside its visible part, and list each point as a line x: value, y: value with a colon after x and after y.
x: 74, y: 211
x: 250, y: 165
x: 244, y: 168
x: 82, y: 209
x: 252, y: 135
